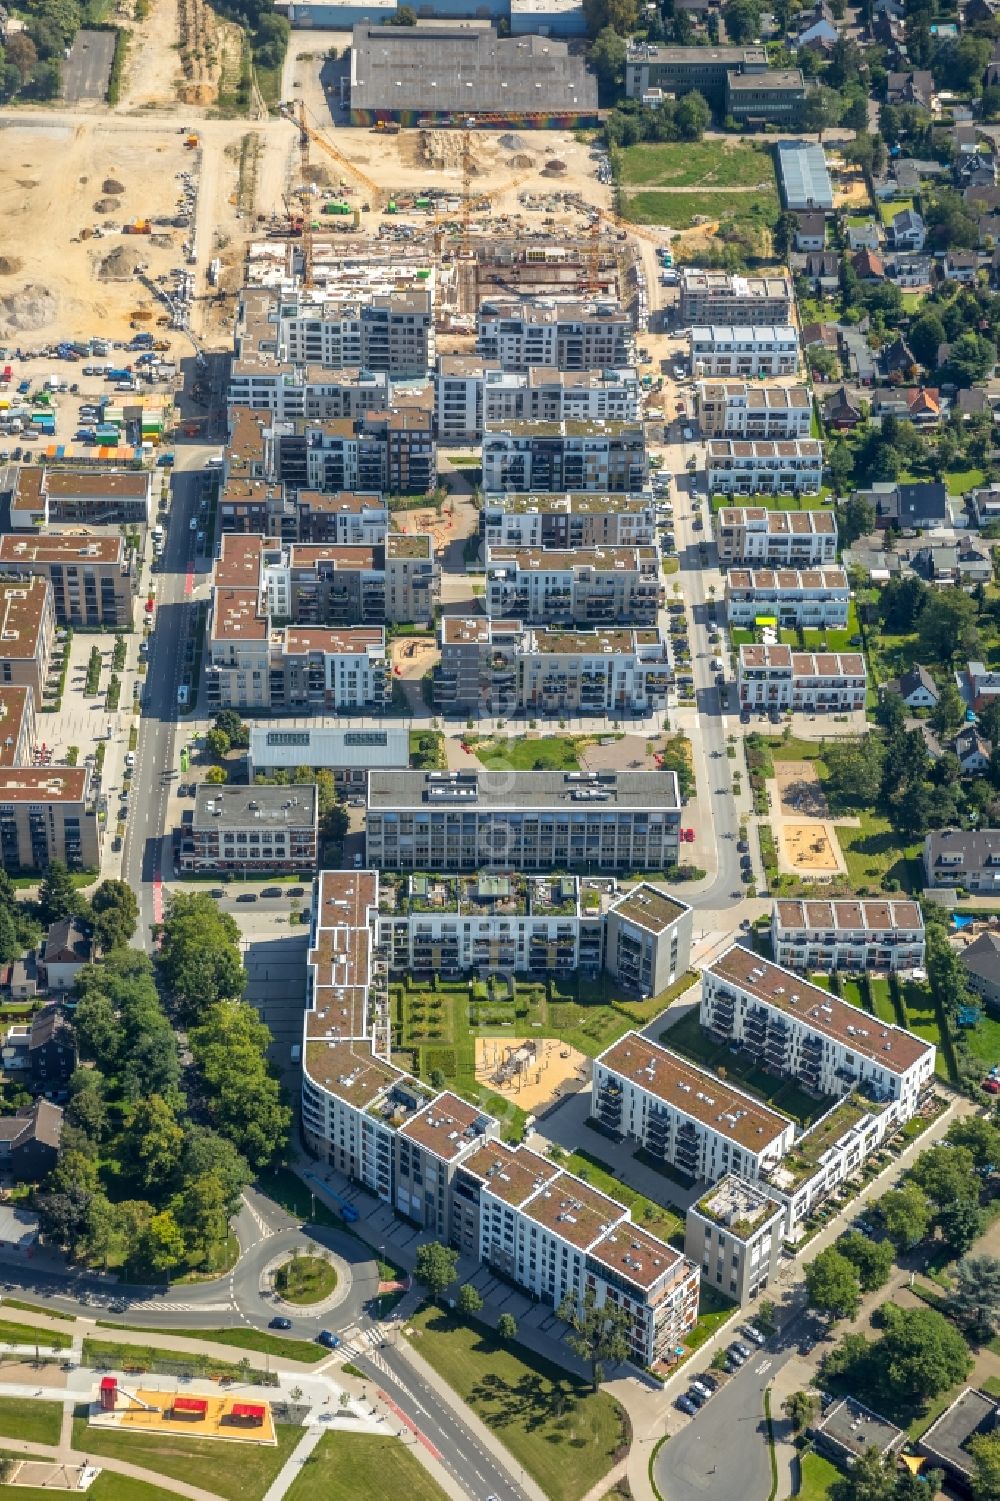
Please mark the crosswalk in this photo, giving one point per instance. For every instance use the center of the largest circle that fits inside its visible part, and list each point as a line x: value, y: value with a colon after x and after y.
x: 157, y: 1305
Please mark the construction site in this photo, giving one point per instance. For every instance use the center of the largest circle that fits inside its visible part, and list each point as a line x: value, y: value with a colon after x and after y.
x: 226, y: 1418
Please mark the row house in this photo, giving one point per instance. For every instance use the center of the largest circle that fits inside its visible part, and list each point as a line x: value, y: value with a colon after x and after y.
x: 543, y: 519
x: 726, y: 297
x: 777, y: 539
x: 817, y: 598
x: 523, y: 820
x: 797, y: 1030
x: 776, y: 677
x: 505, y: 667
x: 860, y: 936
x: 746, y: 351
x: 582, y: 586
x: 565, y: 456
x: 737, y: 409
x: 563, y: 333
x: 791, y: 466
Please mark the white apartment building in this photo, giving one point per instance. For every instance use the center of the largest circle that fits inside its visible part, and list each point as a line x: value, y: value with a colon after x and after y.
x: 386, y: 331
x: 546, y: 520
x: 580, y: 586
x: 815, y: 598
x: 858, y: 935
x: 764, y: 466
x: 833, y: 1150
x: 469, y: 392
x: 744, y: 351
x: 564, y: 333
x: 797, y: 1029
x: 735, y: 1234
x: 684, y: 1115
x: 777, y: 677
x: 458, y: 397
x: 567, y: 456
x: 291, y: 392
x: 504, y: 666
x: 736, y: 409
x: 726, y: 297
x: 754, y: 536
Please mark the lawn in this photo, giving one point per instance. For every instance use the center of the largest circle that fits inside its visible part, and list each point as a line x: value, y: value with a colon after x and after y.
x: 362, y: 1467
x: 889, y: 210
x: 961, y: 481
x: 983, y: 1040
x: 532, y: 753
x: 238, y: 1474
x: 241, y: 1339
x: 818, y: 1475
x: 117, y: 1357
x: 107, y: 1487
x: 689, y: 1038
x: 692, y: 164
x: 565, y: 1435
x: 679, y: 210
x: 655, y: 1218
x: 766, y: 502
x: 922, y: 1018
x: 29, y: 1334
x: 882, y: 1001
x: 51, y: 1313
x: 713, y: 1310
x: 35, y: 1422
x: 873, y: 853
x: 305, y: 1279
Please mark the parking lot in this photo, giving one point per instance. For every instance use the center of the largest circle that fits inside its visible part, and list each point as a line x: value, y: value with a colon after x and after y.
x: 87, y: 67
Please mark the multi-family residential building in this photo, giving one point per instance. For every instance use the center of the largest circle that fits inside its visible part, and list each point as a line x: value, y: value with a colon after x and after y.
x: 251, y: 831
x: 808, y: 597
x: 392, y: 452
x: 778, y: 677
x: 651, y: 72
x: 98, y: 497
x: 683, y: 1115
x: 567, y: 456
x: 647, y: 939
x: 963, y: 857
x: 373, y: 331
x: 777, y: 539
x: 469, y: 392
x: 723, y: 297
x: 348, y: 753
x: 295, y: 392
x: 18, y: 726
x: 562, y: 333
x: 436, y: 1160
x: 347, y: 519
x: 27, y: 633
x: 764, y: 466
x: 523, y: 820
x: 458, y: 397
x: 797, y: 1029
x: 735, y: 1234
x: 504, y: 667
x: 547, y: 520
x: 735, y: 409
x: 91, y: 577
x: 580, y: 586
x: 850, y: 934
x: 833, y: 1150
x: 745, y: 351
x: 48, y: 813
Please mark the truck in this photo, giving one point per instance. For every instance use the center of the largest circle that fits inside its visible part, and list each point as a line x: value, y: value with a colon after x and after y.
x: 24, y: 386
x: 85, y: 435
x: 115, y: 373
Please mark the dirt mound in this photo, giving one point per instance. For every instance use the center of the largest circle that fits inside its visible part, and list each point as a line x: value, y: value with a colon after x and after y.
x: 522, y: 160
x: 554, y: 168
x: 511, y: 142
x: 27, y: 182
x: 112, y: 185
x: 28, y: 308
x: 107, y: 205
x: 9, y: 264
x: 162, y: 242
x: 120, y: 265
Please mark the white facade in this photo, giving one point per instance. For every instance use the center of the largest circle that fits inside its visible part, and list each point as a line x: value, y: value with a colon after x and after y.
x: 833, y: 1150
x: 735, y: 1235
x: 723, y: 349
x: 584, y: 586
x: 775, y: 677
x: 752, y: 535
x: 848, y: 935
x: 736, y: 409
x: 582, y: 457
x: 563, y: 333
x: 817, y: 598
x: 291, y: 392
x: 791, y: 466
x: 328, y: 747
x: 568, y: 521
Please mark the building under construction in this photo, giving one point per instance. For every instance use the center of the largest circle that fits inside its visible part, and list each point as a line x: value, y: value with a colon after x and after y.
x: 464, y: 74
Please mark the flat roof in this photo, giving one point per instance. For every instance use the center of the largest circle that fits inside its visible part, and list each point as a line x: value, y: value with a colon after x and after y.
x: 856, y: 1428
x: 563, y: 560
x: 255, y: 807
x: 848, y: 915
x: 602, y: 641
x: 308, y: 555
x: 765, y: 78
x: 236, y: 614
x: 573, y: 1210
x: 789, y: 579
x: 563, y: 427
x: 639, y: 1257
x: 511, y: 1174
x: 349, y: 1070
x: 446, y: 1126
x: 94, y: 484
x: 412, y: 545
x: 23, y: 604
x: 559, y: 503
x: 972, y: 1414
x: 649, y: 908
x: 13, y: 708
x: 734, y: 1201
x: 343, y: 502
x: 822, y: 1011
x: 518, y: 790
x: 56, y: 547
x: 41, y: 784
x: 766, y: 448
x: 802, y: 664
x: 239, y: 560
x: 695, y: 1092
x: 334, y: 641
x: 779, y: 523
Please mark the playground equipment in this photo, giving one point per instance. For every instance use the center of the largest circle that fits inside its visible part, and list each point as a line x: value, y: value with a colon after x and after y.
x: 111, y: 1391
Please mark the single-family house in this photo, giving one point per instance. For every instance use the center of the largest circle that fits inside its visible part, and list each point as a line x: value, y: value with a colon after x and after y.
x: 897, y: 361
x: 810, y: 230
x: 972, y: 402
x: 981, y: 962
x: 984, y: 503
x: 858, y: 355
x: 911, y: 88
x: 972, y: 749
x: 820, y: 336
x: 29, y: 1142
x: 822, y: 268
x: 868, y: 265
x: 908, y: 270
x: 980, y: 686
x: 841, y: 411
x: 960, y: 266
x: 907, y: 230
x: 977, y: 170
x: 916, y: 506
x: 68, y: 947
x: 863, y: 236
x: 916, y: 688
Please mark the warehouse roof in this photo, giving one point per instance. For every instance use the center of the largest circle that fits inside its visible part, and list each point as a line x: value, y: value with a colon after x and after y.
x: 805, y: 181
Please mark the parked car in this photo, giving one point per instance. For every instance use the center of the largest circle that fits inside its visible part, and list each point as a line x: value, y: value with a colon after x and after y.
x: 757, y: 1335
x: 247, y: 896
x: 685, y: 1404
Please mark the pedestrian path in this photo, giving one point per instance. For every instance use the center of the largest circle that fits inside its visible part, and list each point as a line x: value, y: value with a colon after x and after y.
x: 293, y: 1464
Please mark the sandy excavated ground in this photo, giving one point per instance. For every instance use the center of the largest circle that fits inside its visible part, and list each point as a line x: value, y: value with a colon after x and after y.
x: 542, y: 1081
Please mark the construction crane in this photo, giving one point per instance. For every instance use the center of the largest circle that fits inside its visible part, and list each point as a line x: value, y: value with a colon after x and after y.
x: 467, y: 193
x: 307, y: 238
x: 307, y: 133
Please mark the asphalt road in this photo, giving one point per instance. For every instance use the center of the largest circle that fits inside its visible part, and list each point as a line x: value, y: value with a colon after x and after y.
x: 87, y: 70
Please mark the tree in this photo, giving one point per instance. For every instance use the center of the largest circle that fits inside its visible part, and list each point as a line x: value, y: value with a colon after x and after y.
x: 870, y: 1478
x: 961, y: 1223
x: 506, y: 1328
x: 946, y: 620
x: 599, y: 1336
x: 218, y: 744
x: 855, y: 116
x: 230, y: 723
x: 856, y: 517
x: 920, y: 1353
x: 801, y: 1410
x: 971, y: 359
x: 819, y: 110
x: 946, y: 1173
x: 925, y: 338
x: 468, y: 1301
x: 200, y: 954
x: 205, y: 1151
x: 948, y: 713
x: 155, y: 1141
x: 833, y: 1285
x: 854, y: 768
x: 10, y: 945
x: 742, y: 18
x: 978, y: 1136
x: 692, y: 116
x: 216, y: 775
x: 88, y: 1106
x: 783, y: 235
x: 872, y: 1258
x: 116, y: 913
x: 435, y: 1268
x: 621, y: 15
x: 985, y: 1450
x: 607, y: 57
x: 201, y: 1211
x: 162, y: 1246
x: 57, y: 896
x: 906, y: 1215
x: 243, y: 1097
x: 823, y: 363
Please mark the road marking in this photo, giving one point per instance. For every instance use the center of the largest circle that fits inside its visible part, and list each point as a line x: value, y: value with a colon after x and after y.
x: 765, y: 1365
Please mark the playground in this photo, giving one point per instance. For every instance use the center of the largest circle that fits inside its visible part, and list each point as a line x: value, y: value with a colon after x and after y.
x: 533, y: 1072
x: 811, y: 849
x: 799, y: 790
x: 177, y: 1415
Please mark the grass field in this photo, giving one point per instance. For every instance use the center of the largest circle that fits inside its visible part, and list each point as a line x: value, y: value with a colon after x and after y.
x: 544, y: 753
x: 305, y: 1279
x: 238, y: 1474
x: 692, y: 164
x: 690, y: 1038
x: 117, y: 1357
x: 679, y: 210
x: 28, y: 1334
x: 818, y: 1475
x: 564, y: 1435
x: 362, y: 1467
x: 35, y: 1422
x: 52, y: 1313
x: 107, y: 1487
x: 257, y: 1340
